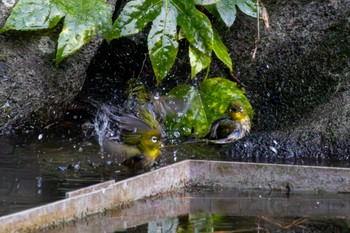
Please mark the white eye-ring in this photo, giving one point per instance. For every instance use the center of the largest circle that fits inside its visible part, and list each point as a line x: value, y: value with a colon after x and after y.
x: 154, y: 139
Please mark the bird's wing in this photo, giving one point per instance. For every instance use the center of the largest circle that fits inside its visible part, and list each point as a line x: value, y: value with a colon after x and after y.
x: 115, y: 149
x: 131, y: 123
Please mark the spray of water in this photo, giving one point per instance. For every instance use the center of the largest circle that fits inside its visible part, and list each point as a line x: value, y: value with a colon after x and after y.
x: 105, y: 123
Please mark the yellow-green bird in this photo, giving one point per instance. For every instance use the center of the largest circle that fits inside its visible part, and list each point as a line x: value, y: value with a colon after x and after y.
x: 141, y: 143
x: 227, y: 130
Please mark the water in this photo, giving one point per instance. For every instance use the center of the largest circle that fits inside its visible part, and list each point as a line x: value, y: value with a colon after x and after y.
x: 217, y: 209
x: 35, y: 170
x: 41, y: 168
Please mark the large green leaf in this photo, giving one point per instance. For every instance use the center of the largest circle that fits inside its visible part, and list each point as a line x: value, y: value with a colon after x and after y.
x: 166, y: 15
x: 191, y: 120
x: 205, y: 2
x: 198, y: 60
x: 196, y: 27
x: 162, y: 41
x: 203, y: 106
x: 182, y: 122
x: 249, y: 7
x: 82, y: 20
x: 33, y: 15
x: 219, y: 92
x: 134, y: 17
x: 221, y: 50
x: 227, y: 9
x: 198, y: 31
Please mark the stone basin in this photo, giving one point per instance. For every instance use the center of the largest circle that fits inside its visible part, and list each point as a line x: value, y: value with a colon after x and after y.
x: 170, y: 179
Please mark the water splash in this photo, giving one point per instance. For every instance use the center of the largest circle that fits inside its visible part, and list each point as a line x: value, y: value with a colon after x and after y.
x: 104, y: 123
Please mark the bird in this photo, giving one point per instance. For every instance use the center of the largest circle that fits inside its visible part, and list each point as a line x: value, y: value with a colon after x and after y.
x: 232, y: 128
x: 140, y: 143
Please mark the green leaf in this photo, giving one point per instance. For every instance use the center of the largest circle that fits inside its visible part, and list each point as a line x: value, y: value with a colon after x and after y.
x: 198, y: 60
x: 162, y: 41
x: 249, y: 7
x: 220, y: 92
x: 82, y: 20
x: 191, y: 120
x: 72, y: 37
x: 221, y: 50
x: 205, y: 2
x: 134, y: 17
x: 227, y: 11
x: 33, y: 15
x: 196, y: 26
x: 203, y: 106
x: 198, y: 31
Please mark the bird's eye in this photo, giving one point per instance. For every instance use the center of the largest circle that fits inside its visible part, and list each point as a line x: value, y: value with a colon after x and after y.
x: 154, y: 139
x: 236, y: 109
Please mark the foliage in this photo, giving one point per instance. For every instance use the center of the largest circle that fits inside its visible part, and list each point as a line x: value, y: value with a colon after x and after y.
x: 203, y: 105
x: 81, y: 21
x: 165, y: 16
x: 171, y: 19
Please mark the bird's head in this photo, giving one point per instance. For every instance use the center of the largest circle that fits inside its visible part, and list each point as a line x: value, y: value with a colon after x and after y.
x: 137, y: 132
x: 150, y: 143
x: 237, y: 111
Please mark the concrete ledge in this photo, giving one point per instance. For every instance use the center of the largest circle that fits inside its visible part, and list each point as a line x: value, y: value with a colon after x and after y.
x: 107, y: 195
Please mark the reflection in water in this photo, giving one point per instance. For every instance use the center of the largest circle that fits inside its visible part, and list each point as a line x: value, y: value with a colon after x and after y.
x: 214, y: 209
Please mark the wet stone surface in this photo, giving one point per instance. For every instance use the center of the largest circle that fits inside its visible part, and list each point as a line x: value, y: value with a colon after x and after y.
x: 209, y: 208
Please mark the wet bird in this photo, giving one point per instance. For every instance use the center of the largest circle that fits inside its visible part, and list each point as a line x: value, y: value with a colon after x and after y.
x: 152, y: 108
x: 140, y: 143
x: 232, y: 128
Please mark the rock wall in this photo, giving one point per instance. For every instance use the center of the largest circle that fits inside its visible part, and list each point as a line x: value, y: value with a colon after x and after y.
x: 299, y: 83
x: 34, y: 91
x: 300, y: 63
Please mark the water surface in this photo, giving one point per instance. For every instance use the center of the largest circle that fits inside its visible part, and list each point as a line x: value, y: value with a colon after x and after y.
x: 218, y: 209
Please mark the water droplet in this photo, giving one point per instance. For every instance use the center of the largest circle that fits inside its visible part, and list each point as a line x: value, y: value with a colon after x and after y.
x: 274, y: 150
x: 77, y: 166
x: 6, y: 105
x: 39, y: 181
x: 177, y: 134
x: 61, y: 168
x: 156, y: 96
